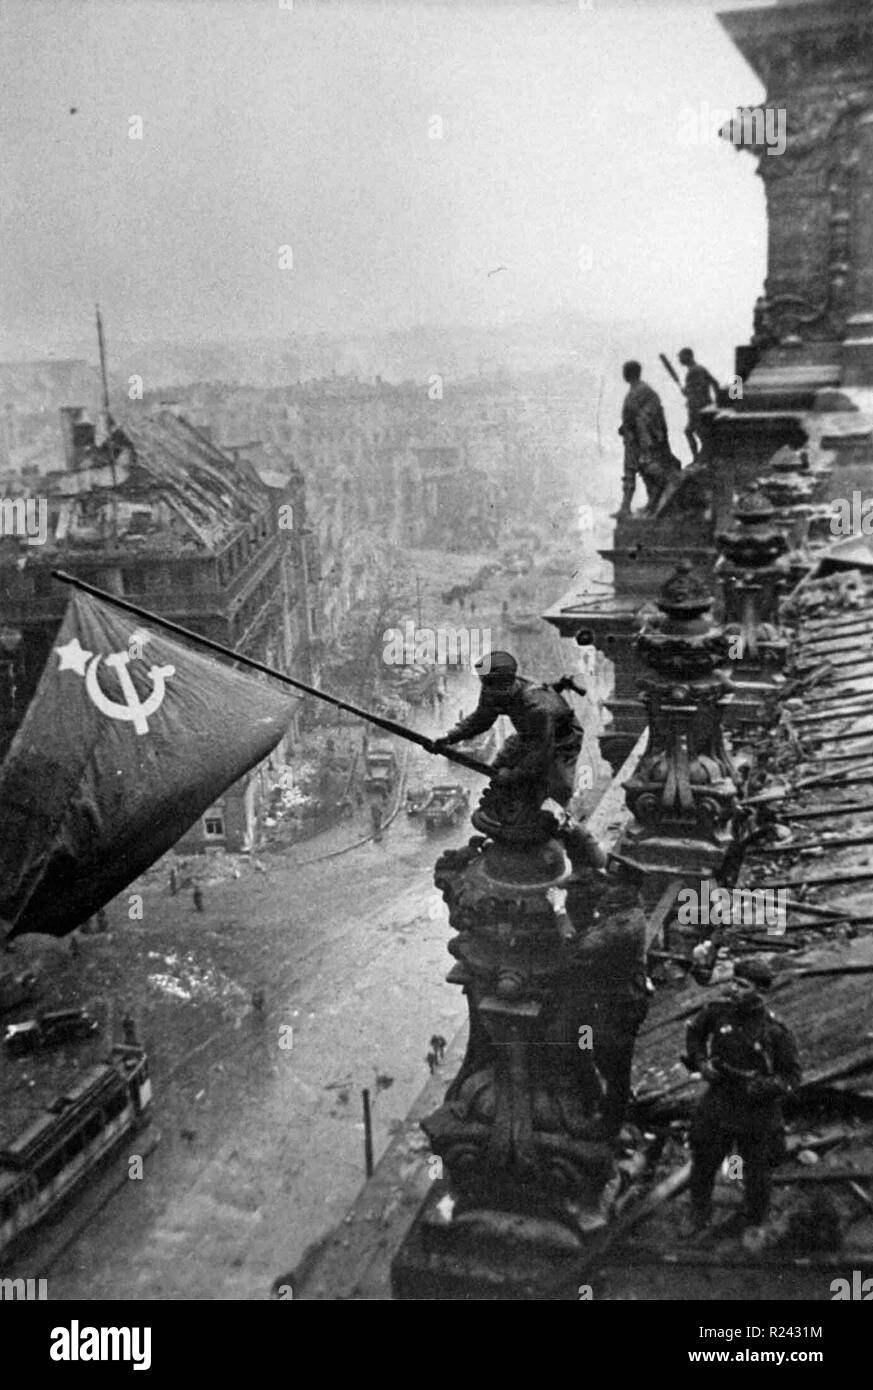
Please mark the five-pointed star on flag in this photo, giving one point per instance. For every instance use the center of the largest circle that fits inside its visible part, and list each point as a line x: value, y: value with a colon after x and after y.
x: 73, y: 657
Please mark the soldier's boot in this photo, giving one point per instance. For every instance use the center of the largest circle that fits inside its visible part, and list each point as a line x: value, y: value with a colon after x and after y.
x: 654, y: 490
x: 627, y: 493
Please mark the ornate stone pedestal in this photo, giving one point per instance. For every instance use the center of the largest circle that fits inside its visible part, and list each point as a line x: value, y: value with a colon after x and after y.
x: 682, y: 793
x: 754, y: 572
x: 523, y: 1169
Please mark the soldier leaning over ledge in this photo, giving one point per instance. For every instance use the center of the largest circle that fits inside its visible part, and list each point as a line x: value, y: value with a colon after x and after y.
x: 750, y: 1060
x: 542, y: 753
x: 547, y: 739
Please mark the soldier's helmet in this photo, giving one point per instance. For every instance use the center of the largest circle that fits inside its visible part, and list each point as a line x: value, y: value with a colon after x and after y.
x: 755, y: 971
x: 497, y: 668
x: 686, y: 355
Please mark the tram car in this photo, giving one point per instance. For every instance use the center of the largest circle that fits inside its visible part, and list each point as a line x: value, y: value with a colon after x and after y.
x: 58, y: 1151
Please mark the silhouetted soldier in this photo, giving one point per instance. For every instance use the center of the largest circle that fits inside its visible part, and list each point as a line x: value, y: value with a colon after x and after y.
x: 540, y: 757
x: 547, y: 739
x: 646, y: 443
x: 699, y: 392
x: 749, y: 1058
x: 611, y: 994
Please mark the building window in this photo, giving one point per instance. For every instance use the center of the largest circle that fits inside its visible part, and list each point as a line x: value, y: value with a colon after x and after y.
x: 213, y: 823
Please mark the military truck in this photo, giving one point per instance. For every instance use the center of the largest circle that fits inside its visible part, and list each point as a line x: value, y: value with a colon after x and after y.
x: 449, y: 804
x: 381, y: 768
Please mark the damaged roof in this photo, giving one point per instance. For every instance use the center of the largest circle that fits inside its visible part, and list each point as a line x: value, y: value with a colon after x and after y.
x: 198, y: 493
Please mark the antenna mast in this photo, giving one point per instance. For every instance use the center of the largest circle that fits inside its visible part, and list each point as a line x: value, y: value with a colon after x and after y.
x: 109, y: 441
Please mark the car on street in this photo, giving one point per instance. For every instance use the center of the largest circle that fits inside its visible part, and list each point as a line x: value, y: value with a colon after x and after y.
x: 418, y: 799
x: 17, y: 989
x: 448, y: 804
x: 49, y: 1030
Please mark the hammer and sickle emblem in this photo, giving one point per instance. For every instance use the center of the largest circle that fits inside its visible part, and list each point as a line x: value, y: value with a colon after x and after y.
x: 133, y: 709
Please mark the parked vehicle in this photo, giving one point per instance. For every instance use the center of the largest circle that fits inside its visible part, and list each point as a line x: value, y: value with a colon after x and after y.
x: 382, y: 769
x: 17, y: 989
x: 56, y: 1152
x: 418, y: 799
x: 449, y: 804
x: 49, y: 1030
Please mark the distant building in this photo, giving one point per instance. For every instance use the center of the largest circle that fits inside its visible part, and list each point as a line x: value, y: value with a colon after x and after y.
x: 150, y: 509
x: 455, y: 505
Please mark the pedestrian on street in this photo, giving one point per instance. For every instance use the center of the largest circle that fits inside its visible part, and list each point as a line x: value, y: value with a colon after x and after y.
x: 438, y: 1045
x: 749, y: 1059
x: 198, y: 897
x: 432, y: 1061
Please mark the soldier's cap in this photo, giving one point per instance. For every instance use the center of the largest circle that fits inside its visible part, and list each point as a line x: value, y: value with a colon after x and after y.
x: 496, y: 666
x: 685, y: 353
x: 755, y: 971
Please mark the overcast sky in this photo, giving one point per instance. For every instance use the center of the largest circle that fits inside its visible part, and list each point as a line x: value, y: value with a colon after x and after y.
x: 564, y: 157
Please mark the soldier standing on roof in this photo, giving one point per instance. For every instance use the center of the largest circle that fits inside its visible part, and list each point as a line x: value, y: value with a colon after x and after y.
x: 749, y: 1058
x: 647, y: 451
x: 699, y: 392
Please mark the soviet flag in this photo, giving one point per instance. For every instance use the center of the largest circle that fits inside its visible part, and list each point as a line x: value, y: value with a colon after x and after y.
x: 130, y: 736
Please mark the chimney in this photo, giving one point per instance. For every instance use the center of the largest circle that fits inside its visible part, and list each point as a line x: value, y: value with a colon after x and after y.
x: 77, y: 433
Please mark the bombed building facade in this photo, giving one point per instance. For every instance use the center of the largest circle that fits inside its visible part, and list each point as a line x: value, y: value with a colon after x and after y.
x: 149, y: 509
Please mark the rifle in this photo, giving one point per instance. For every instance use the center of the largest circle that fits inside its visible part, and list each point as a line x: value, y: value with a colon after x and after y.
x: 672, y: 370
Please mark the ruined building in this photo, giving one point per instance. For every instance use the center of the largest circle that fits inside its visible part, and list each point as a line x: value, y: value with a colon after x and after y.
x: 149, y: 509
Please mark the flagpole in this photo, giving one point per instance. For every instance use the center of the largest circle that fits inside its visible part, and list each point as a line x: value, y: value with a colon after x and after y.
x: 388, y: 724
